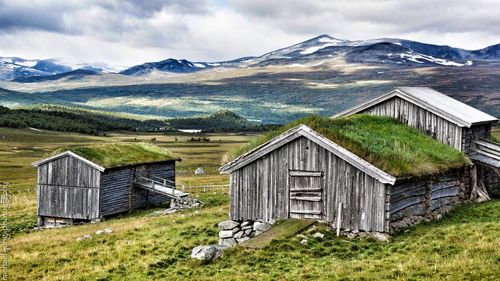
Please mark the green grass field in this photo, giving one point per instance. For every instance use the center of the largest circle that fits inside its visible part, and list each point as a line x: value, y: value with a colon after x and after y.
x: 464, y: 245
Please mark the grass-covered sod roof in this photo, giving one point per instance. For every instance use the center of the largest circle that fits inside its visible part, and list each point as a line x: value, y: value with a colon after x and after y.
x: 121, y: 154
x: 383, y: 141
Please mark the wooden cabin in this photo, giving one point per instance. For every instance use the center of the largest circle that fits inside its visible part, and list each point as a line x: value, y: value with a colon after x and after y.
x: 446, y: 119
x: 304, y: 174
x: 89, y: 183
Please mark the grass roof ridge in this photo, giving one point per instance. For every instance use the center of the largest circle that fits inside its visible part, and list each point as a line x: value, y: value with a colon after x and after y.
x: 384, y: 142
x: 118, y: 154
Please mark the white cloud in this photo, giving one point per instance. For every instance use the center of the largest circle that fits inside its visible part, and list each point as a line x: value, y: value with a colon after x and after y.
x: 131, y: 32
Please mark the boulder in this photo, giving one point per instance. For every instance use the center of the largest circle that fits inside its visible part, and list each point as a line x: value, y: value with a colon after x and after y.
x: 228, y: 225
x: 261, y: 226
x: 227, y: 242
x: 207, y: 253
x: 248, y: 231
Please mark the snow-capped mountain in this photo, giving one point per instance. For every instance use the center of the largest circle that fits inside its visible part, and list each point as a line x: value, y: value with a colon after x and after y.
x: 168, y: 65
x: 389, y: 51
x: 376, y: 51
x: 19, y: 69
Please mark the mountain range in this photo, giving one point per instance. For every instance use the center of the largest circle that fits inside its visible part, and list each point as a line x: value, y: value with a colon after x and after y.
x: 323, y: 75
x: 316, y: 50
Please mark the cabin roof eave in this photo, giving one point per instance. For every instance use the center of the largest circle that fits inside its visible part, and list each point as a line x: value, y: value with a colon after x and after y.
x: 93, y: 164
x: 305, y: 131
x: 68, y: 153
x: 406, y: 94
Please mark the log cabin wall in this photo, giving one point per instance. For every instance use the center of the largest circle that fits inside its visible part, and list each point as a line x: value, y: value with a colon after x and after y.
x: 68, y: 188
x: 473, y: 133
x: 414, y: 199
x: 490, y: 177
x: 260, y: 190
x: 118, y: 195
x: 421, y: 119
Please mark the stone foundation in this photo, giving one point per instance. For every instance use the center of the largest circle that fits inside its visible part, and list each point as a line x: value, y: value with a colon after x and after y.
x: 236, y: 232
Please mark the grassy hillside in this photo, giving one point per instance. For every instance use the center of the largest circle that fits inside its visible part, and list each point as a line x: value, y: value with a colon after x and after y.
x: 383, y: 141
x: 221, y: 121
x: 66, y: 119
x: 94, y: 122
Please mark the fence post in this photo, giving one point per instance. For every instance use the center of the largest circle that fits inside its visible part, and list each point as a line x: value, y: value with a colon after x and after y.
x: 339, y: 219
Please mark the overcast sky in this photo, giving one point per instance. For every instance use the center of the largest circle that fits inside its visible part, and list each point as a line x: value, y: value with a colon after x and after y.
x: 128, y: 32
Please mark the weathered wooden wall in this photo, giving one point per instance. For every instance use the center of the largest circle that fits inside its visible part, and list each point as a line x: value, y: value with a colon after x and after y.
x: 421, y: 119
x: 425, y: 197
x: 473, y: 133
x: 118, y: 194
x: 68, y: 188
x: 490, y: 177
x: 260, y: 190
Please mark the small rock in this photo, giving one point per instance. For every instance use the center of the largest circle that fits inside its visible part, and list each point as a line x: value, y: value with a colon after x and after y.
x: 350, y: 235
x: 246, y: 224
x: 99, y: 232
x: 384, y: 237
x: 247, y: 227
x: 257, y: 233
x: 318, y: 235
x: 196, y: 212
x: 199, y: 171
x: 355, y: 231
x: 227, y: 233
x: 228, y: 225
x: 227, y: 242
x: 248, y: 231
x: 108, y: 230
x: 207, y: 253
x: 242, y: 239
x: 84, y: 237
x: 439, y: 216
x: 363, y: 234
x: 311, y: 229
x: 239, y: 234
x: 261, y: 226
x: 301, y: 236
x: 303, y: 241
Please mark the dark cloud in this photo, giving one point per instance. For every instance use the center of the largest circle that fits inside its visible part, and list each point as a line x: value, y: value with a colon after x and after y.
x: 21, y: 16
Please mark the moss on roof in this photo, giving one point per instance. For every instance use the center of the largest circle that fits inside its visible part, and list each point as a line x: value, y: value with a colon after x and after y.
x: 121, y: 154
x: 385, y: 142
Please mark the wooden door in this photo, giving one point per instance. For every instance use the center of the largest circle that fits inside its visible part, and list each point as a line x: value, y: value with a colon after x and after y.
x: 306, y: 194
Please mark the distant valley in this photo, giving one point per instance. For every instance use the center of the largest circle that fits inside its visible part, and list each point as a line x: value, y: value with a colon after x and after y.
x: 322, y: 75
